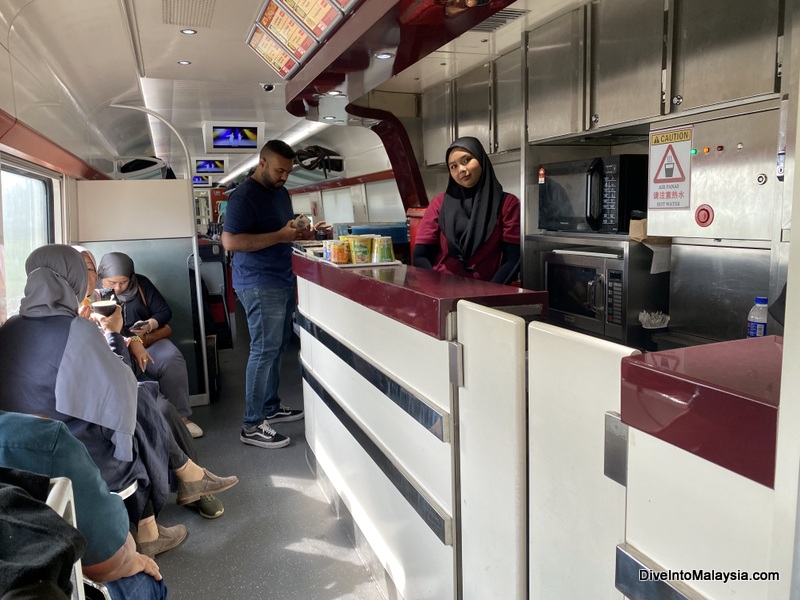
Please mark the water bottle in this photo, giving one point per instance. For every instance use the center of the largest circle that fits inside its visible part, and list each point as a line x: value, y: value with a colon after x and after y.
x: 757, y: 318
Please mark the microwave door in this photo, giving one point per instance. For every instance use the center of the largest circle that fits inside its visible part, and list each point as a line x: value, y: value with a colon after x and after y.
x: 594, y: 195
x: 573, y: 291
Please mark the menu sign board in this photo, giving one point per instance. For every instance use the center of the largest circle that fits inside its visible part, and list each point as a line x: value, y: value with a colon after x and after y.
x: 317, y: 15
x: 286, y: 30
x: 272, y: 52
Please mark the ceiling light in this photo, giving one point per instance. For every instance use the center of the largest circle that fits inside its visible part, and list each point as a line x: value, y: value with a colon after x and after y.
x: 184, y: 62
x: 188, y: 31
x: 329, y: 118
x: 334, y: 93
x: 383, y: 55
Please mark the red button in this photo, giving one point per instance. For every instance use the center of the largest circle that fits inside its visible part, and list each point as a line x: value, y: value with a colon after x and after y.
x: 704, y: 215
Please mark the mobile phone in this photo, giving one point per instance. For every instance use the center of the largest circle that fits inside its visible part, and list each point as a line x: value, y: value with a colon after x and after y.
x: 138, y: 324
x: 301, y: 222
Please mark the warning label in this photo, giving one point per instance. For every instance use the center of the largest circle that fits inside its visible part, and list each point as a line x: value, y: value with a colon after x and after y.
x: 669, y: 182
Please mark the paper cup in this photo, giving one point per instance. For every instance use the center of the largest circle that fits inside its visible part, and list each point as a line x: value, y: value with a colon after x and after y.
x: 360, y: 249
x: 339, y: 252
x: 382, y: 249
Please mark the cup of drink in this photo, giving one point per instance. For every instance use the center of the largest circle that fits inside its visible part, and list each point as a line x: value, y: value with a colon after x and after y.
x: 104, y: 307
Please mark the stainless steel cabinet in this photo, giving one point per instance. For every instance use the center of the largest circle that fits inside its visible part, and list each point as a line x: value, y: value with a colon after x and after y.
x: 507, y: 96
x: 473, y: 105
x: 437, y: 122
x: 725, y: 50
x: 627, y: 45
x: 555, y: 59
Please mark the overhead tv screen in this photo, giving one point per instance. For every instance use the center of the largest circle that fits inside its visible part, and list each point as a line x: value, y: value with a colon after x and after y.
x: 224, y: 138
x: 201, y: 180
x: 206, y: 165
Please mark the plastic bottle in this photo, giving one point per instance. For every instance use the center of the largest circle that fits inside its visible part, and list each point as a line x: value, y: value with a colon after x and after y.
x: 757, y: 318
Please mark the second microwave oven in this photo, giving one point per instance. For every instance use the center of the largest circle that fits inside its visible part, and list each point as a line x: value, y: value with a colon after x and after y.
x: 592, y: 195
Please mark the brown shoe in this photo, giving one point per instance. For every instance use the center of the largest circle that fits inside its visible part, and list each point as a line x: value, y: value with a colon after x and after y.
x: 168, y: 538
x: 191, y: 491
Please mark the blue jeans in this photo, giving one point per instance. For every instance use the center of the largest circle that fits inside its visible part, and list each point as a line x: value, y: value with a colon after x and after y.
x: 140, y: 586
x: 269, y: 320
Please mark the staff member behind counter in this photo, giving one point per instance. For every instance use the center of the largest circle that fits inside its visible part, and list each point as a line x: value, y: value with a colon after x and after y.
x: 472, y: 229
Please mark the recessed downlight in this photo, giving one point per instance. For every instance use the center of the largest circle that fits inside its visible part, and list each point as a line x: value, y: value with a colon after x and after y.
x: 329, y: 118
x: 184, y: 62
x: 383, y: 55
x: 188, y: 31
x: 334, y: 93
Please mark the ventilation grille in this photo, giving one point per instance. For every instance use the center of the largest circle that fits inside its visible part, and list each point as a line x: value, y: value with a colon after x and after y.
x: 499, y: 19
x: 188, y: 13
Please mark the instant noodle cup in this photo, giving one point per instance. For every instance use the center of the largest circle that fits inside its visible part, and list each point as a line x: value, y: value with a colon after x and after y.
x: 339, y: 252
x: 360, y: 247
x: 382, y: 249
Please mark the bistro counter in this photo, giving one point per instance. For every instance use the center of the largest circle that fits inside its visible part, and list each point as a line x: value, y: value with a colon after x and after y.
x: 703, y: 432
x: 403, y: 448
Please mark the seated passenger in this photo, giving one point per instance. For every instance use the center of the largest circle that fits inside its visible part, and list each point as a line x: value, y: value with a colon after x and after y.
x: 46, y: 447
x: 195, y: 484
x: 143, y: 304
x: 44, y: 351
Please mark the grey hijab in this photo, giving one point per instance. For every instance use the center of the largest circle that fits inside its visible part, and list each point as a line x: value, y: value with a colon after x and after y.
x: 57, y: 280
x: 92, y: 383
x: 118, y: 264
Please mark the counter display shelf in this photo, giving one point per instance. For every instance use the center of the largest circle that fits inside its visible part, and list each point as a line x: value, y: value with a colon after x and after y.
x: 717, y: 401
x: 415, y: 297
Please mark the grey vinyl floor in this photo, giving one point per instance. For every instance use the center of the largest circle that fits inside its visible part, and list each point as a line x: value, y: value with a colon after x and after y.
x: 278, y: 538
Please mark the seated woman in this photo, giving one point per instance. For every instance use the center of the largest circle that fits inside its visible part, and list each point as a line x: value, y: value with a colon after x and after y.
x: 45, y: 350
x: 473, y: 228
x: 142, y: 302
x: 195, y: 484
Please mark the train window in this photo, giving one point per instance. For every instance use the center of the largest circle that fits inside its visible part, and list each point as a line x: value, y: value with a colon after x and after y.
x: 27, y: 201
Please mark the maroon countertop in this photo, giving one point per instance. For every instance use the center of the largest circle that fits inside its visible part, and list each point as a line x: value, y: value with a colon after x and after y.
x: 717, y: 401
x: 415, y: 297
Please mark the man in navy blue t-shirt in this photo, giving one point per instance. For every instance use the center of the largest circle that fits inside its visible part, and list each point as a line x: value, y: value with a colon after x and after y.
x: 259, y: 230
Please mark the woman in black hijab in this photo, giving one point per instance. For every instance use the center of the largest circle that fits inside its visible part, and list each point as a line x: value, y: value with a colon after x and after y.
x: 473, y: 229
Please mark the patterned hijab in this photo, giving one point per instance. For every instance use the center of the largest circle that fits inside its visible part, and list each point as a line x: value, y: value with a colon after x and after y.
x: 57, y: 280
x: 118, y: 264
x: 468, y: 215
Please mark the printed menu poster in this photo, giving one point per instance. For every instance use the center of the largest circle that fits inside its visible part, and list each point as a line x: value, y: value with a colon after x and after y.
x: 317, y: 15
x: 286, y: 30
x: 272, y: 53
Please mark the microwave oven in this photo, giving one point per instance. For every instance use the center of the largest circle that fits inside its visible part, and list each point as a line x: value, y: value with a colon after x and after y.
x: 592, y: 195
x: 600, y: 291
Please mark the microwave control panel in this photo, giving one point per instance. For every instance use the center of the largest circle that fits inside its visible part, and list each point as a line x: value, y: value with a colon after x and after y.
x: 614, y: 297
x: 610, y: 188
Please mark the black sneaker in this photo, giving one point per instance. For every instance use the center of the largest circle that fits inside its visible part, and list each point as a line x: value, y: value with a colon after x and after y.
x: 264, y: 436
x: 286, y: 414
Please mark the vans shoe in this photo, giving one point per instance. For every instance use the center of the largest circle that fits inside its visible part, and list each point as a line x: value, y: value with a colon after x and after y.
x: 286, y: 414
x: 263, y: 436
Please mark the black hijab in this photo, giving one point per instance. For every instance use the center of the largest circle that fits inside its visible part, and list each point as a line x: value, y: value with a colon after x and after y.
x: 468, y: 215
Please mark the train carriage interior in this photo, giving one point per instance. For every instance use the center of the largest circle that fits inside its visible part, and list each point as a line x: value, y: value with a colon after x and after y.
x: 612, y: 420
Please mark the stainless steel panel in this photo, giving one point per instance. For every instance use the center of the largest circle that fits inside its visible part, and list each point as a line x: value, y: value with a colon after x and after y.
x: 507, y: 94
x: 555, y: 61
x: 712, y: 289
x: 627, y: 45
x: 637, y: 576
x: 739, y: 184
x: 472, y: 105
x: 725, y: 50
x: 437, y: 120
x: 615, y: 457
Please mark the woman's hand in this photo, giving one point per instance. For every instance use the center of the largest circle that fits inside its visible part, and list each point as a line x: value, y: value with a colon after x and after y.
x: 146, y: 327
x: 112, y: 324
x: 140, y: 355
x: 85, y: 309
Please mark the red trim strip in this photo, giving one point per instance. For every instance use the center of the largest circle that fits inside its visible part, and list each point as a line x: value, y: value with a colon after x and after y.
x: 20, y: 141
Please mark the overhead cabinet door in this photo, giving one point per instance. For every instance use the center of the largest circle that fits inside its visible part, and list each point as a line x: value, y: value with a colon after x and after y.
x: 555, y: 61
x: 437, y: 120
x: 508, y: 101
x: 724, y: 50
x: 627, y: 49
x: 472, y: 105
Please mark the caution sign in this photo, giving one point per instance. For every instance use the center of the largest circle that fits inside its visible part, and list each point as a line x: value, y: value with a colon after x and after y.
x: 669, y: 181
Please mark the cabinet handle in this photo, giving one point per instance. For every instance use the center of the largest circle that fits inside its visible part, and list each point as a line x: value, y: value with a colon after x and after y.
x: 677, y: 100
x: 595, y: 118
